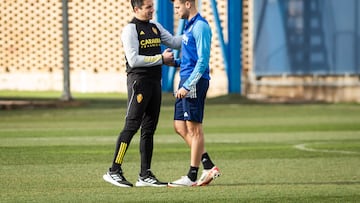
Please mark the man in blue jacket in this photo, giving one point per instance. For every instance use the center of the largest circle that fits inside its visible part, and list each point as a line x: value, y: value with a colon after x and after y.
x: 191, y: 94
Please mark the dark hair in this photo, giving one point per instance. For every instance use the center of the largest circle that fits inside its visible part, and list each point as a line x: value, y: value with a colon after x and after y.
x: 137, y: 3
x: 183, y: 1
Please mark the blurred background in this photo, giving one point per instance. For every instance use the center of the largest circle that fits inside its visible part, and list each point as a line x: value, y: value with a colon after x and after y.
x: 302, y: 50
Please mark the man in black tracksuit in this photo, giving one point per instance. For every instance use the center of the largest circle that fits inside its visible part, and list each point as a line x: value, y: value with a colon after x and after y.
x: 141, y: 40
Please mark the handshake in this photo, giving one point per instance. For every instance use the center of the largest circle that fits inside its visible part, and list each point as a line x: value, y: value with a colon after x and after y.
x: 168, y: 57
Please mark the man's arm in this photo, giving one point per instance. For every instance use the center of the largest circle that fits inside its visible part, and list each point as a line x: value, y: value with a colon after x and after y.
x: 129, y: 38
x: 202, y: 35
x: 167, y: 38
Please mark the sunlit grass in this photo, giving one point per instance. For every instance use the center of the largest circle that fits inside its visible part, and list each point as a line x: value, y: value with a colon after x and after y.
x: 60, y: 154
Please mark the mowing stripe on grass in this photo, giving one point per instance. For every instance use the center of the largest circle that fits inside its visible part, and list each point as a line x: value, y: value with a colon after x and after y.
x: 305, y: 147
x: 76, y: 138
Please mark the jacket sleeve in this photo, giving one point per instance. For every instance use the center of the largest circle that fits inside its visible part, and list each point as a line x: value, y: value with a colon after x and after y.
x: 202, y: 35
x: 167, y: 38
x: 129, y: 38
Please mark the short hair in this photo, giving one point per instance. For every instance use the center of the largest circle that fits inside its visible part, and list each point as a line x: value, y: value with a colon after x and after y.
x: 137, y: 3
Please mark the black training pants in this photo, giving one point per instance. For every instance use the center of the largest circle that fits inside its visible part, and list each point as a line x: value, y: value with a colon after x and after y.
x: 144, y: 101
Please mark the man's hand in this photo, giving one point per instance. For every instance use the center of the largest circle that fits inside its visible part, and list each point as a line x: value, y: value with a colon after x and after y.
x: 168, y: 57
x: 181, y: 93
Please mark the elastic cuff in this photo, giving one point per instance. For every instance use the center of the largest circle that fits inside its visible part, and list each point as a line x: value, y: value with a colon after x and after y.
x: 186, y: 88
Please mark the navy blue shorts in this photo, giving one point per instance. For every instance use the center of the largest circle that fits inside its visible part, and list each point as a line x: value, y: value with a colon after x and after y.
x: 192, y: 109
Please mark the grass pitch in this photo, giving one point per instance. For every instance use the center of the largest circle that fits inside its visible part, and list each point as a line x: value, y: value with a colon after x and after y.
x: 266, y: 152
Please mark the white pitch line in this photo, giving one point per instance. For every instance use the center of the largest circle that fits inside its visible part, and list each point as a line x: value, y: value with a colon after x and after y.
x: 303, y: 147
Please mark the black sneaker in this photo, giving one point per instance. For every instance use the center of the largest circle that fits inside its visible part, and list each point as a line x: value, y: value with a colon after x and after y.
x: 149, y: 180
x: 116, y: 178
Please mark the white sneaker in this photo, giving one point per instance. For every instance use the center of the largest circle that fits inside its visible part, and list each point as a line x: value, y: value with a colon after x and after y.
x: 150, y: 180
x: 184, y: 181
x: 116, y: 178
x: 208, y: 175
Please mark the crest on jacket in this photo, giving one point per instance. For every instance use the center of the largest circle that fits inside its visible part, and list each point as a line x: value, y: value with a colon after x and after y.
x: 139, y: 98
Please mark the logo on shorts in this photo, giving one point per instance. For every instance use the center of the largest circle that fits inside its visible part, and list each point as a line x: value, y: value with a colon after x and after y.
x: 139, y: 98
x: 186, y: 114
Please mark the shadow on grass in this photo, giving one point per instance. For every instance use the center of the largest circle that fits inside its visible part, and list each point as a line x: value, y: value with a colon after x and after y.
x: 91, y: 101
x: 112, y: 100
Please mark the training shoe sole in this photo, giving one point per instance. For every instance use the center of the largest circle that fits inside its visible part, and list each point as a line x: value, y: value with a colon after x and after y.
x: 145, y: 184
x: 177, y: 185
x: 110, y: 180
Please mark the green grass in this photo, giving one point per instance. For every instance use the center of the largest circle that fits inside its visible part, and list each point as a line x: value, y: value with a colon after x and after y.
x: 59, y: 155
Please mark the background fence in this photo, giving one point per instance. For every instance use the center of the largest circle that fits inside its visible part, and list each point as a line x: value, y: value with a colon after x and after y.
x: 31, y: 45
x: 306, y: 37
